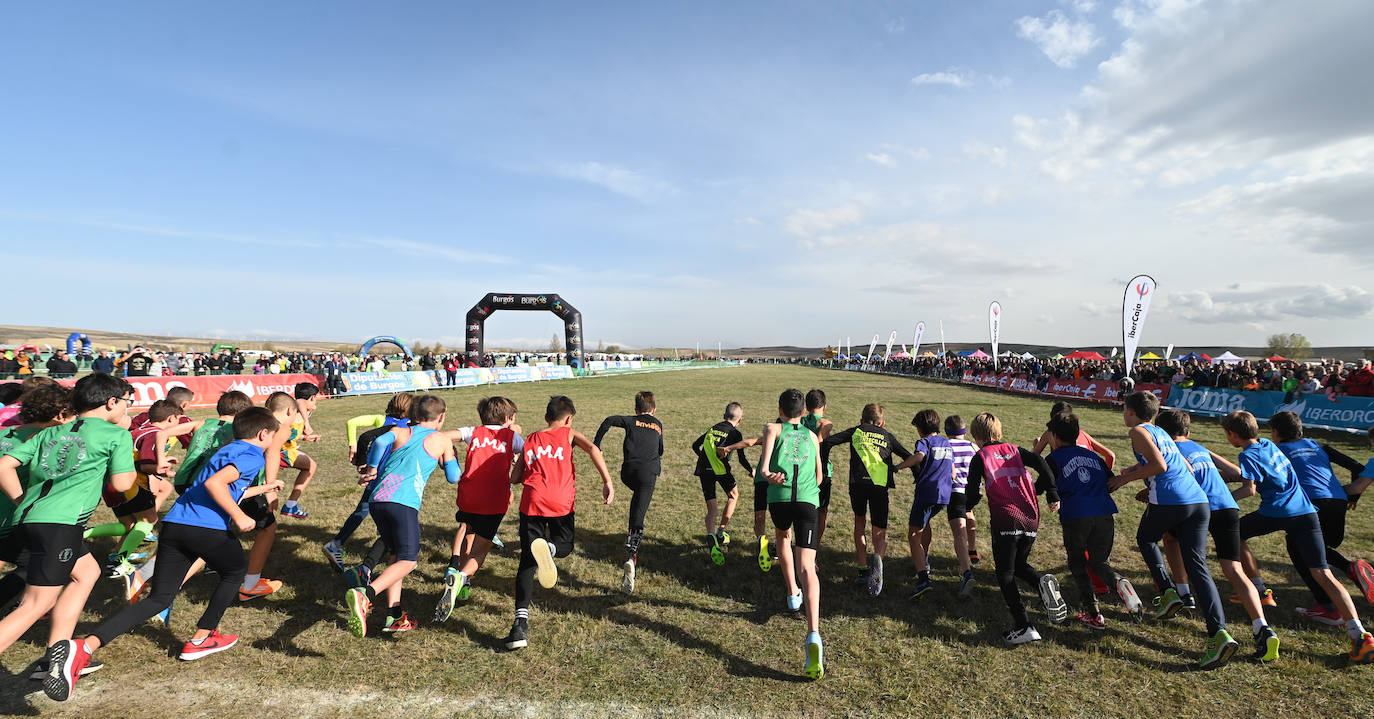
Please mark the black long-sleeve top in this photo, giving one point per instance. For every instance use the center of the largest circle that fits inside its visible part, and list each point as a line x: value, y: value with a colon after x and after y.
x: 643, y: 441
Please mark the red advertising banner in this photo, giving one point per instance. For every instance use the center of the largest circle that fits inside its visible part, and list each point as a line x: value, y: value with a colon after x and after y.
x: 1090, y: 390
x: 148, y: 390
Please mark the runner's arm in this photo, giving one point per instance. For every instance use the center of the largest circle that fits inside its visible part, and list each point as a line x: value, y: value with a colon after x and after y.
x: 1042, y: 442
x: 975, y: 480
x: 9, y: 478
x: 606, y: 425
x: 1343, y: 460
x: 580, y: 441
x: 1154, y: 461
x: 1102, y: 450
x: 1229, y: 472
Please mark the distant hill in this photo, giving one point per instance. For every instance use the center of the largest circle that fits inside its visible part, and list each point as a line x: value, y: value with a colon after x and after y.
x: 1347, y: 354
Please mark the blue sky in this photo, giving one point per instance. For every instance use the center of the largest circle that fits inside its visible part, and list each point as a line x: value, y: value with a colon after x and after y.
x: 749, y: 173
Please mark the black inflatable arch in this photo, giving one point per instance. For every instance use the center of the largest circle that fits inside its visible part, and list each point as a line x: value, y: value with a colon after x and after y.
x: 493, y: 302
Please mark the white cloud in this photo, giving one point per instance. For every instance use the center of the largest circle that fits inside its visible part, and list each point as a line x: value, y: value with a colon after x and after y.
x: 881, y: 158
x: 622, y: 181
x: 950, y: 77
x: 1272, y: 304
x: 809, y: 223
x: 431, y: 251
x: 896, y: 26
x: 1081, y: 7
x: 753, y: 221
x: 1063, y: 41
x: 994, y: 155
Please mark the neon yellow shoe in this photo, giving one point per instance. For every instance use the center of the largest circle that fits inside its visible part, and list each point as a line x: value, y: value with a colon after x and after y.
x: 765, y: 559
x: 815, y: 657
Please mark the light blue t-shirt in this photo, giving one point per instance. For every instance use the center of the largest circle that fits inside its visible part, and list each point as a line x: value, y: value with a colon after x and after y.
x: 1208, y: 476
x: 196, y: 508
x: 1175, y: 485
x: 1309, y: 460
x: 404, y: 474
x: 1280, y: 492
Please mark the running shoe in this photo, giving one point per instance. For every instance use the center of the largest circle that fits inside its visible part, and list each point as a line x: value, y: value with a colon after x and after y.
x: 1361, y: 650
x: 1168, y: 604
x: 133, y: 587
x: 40, y: 669
x: 1322, y: 614
x: 546, y: 572
x: 1055, y: 607
x: 923, y: 585
x: 815, y: 658
x: 1266, y: 598
x: 1266, y: 645
x: 875, y: 577
x: 122, y: 568
x: 163, y: 617
x: 1092, y: 620
x: 974, y: 557
x: 717, y: 551
x: 149, y: 538
x: 444, y: 609
x: 335, y: 554
x: 67, y: 661
x: 1126, y: 591
x: 399, y: 624
x: 496, y: 542
x: 966, y: 584
x: 722, y: 536
x: 794, y: 602
x: 627, y: 576
x: 519, y: 635
x: 1220, y: 648
x: 263, y: 588
x: 861, y: 579
x: 1021, y: 636
x: 358, y: 577
x: 1363, y: 574
x: 765, y: 559
x: 358, y: 607
x: 213, y: 644
x: 1189, y: 602
x: 296, y: 511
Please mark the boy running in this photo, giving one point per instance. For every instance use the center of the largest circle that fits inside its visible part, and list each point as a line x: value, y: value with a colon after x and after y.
x: 67, y: 465
x: 260, y: 507
x: 396, y: 409
x: 546, y: 505
x: 639, y: 471
x: 292, y: 457
x: 415, y: 452
x: 871, y: 448
x: 198, y: 527
x: 483, y: 495
x: 815, y: 420
x: 934, y: 463
x: 1014, y: 512
x: 1177, y: 506
x: 712, y: 469
x: 46, y: 406
x: 1285, y: 508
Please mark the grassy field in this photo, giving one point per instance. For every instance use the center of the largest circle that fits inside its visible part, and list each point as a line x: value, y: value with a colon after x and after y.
x: 696, y: 639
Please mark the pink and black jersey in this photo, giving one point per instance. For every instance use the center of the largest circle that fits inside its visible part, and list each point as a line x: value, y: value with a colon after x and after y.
x: 485, y: 485
x: 550, y: 479
x: 1004, y: 470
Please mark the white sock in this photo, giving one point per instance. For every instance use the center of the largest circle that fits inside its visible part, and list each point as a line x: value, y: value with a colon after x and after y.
x: 250, y: 581
x: 197, y: 642
x: 1182, y: 589
x: 1258, y: 624
x: 290, y: 503
x: 1354, y: 628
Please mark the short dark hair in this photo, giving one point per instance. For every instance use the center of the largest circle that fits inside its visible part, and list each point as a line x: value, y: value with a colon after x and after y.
x: 734, y: 410
x: 180, y: 395
x: 644, y: 402
x: 1242, y: 424
x: 251, y: 421
x: 495, y: 410
x: 1174, y: 421
x: 1288, y: 425
x: 1064, y: 427
x: 1060, y: 406
x: 163, y: 410
x: 1145, y: 405
x: 872, y: 413
x: 94, y: 390
x: 10, y: 392
x: 232, y: 402
x: 306, y: 390
x: 815, y: 399
x: 953, y: 424
x: 427, y: 408
x: 927, y: 421
x: 559, y: 406
x: 42, y: 404
x: 791, y: 403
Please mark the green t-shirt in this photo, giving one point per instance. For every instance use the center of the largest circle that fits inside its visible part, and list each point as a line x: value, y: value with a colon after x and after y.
x: 11, y: 438
x: 812, y: 421
x: 794, y: 454
x: 68, y: 466
x: 210, y: 438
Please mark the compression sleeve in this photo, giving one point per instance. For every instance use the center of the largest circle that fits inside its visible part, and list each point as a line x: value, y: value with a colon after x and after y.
x: 606, y: 425
x: 369, y: 421
x: 1342, y: 460
x: 452, y: 472
x: 896, y: 446
x: 696, y: 446
x: 380, y: 446
x: 975, y: 480
x: 1044, y: 476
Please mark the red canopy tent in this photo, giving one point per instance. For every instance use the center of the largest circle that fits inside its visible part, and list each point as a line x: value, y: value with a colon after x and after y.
x: 1085, y: 355
x: 1276, y: 358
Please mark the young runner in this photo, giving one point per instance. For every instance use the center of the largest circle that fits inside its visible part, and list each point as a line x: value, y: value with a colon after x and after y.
x: 415, y: 452
x: 396, y: 410
x: 547, y: 523
x: 761, y: 543
x: 291, y: 456
x: 1086, y: 514
x: 712, y: 469
x: 933, y: 459
x: 261, y: 507
x: 871, y: 448
x: 67, y: 466
x: 43, y: 407
x: 961, y: 521
x: 198, y: 527
x: 815, y: 420
x: 1085, y: 441
x: 791, y: 464
x: 1014, y: 513
x: 1212, y: 473
x: 483, y: 495
x: 639, y: 471
x: 1285, y: 508
x: 1177, y: 506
